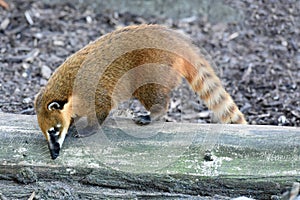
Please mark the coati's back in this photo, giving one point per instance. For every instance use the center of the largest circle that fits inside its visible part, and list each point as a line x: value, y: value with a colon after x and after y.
x: 143, y: 61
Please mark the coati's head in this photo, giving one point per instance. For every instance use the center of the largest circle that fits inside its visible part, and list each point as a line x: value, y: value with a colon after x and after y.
x: 54, y: 118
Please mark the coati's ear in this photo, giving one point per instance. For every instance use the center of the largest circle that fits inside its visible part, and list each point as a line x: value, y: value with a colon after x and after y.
x: 56, y: 105
x: 38, y: 98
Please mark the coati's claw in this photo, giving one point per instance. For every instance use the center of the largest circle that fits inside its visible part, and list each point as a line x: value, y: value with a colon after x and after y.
x: 72, y: 131
x: 142, y: 119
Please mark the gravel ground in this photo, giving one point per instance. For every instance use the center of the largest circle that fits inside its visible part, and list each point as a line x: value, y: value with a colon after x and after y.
x: 258, y: 58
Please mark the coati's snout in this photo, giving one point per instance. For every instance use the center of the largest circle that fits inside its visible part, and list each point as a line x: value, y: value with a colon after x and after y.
x: 54, y: 149
x: 54, y: 138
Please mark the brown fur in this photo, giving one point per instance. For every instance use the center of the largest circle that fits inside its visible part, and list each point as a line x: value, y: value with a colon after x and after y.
x: 149, y: 52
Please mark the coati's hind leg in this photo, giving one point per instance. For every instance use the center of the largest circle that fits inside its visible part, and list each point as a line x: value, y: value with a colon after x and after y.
x: 155, y: 98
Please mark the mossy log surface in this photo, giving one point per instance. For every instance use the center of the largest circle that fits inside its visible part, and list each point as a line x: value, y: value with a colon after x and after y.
x: 161, y: 160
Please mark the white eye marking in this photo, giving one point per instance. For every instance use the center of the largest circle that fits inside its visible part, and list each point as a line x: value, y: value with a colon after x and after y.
x: 51, y: 129
x: 54, y: 106
x: 58, y: 125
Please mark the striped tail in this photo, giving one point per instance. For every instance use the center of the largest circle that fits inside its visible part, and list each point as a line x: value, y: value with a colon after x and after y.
x: 208, y: 86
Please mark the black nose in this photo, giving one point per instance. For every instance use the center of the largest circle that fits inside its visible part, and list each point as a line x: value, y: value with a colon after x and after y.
x: 54, y: 150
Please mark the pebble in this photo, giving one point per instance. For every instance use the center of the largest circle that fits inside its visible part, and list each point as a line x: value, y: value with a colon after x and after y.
x: 58, y: 43
x: 4, y: 24
x: 25, y: 74
x: 46, y: 72
x: 25, y: 65
x: 27, y: 100
x: 204, y: 114
x: 89, y: 19
x: 282, y: 119
x: 28, y: 17
x: 17, y: 90
x: 38, y: 35
x: 43, y: 82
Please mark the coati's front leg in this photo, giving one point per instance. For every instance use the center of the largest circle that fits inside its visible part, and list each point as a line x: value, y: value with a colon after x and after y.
x: 155, y: 98
x: 82, y: 128
x: 93, y: 122
x: 79, y: 131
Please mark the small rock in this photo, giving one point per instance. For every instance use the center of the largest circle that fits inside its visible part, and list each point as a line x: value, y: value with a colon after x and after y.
x: 3, y: 50
x: 38, y: 35
x: 46, y: 72
x: 282, y: 119
x: 89, y: 19
x: 204, y: 114
x: 25, y: 65
x: 17, y: 90
x: 189, y: 19
x: 27, y: 100
x: 233, y: 36
x: 284, y: 43
x: 58, y: 43
x: 43, y: 82
x: 4, y: 24
x: 24, y: 74
x: 28, y: 17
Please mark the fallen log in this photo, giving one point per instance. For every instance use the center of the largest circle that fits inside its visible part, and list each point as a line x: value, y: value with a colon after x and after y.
x: 161, y: 160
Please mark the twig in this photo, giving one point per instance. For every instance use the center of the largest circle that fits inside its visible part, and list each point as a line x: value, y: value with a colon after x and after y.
x: 32, y: 196
x: 28, y: 17
x: 4, y: 5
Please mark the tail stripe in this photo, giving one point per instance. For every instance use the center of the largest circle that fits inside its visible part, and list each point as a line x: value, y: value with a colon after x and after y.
x: 209, y: 88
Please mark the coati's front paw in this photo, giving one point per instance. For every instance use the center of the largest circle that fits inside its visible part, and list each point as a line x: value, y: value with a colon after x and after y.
x: 82, y: 132
x: 72, y: 131
x: 142, y: 119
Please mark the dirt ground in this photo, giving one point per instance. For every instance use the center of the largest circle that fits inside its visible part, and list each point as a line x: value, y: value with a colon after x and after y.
x: 258, y: 58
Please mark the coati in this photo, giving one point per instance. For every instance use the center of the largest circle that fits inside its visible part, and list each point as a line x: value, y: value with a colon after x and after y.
x: 143, y: 61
